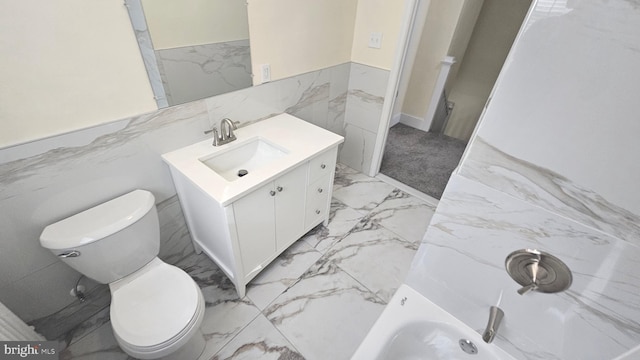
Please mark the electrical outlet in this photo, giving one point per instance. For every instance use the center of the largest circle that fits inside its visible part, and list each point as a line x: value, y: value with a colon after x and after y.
x: 265, y: 70
x: 375, y: 40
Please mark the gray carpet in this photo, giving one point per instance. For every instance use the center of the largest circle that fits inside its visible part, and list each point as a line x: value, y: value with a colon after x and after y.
x: 419, y: 159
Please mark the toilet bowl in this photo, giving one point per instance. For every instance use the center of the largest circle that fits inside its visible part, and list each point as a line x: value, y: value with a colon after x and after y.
x: 156, y: 308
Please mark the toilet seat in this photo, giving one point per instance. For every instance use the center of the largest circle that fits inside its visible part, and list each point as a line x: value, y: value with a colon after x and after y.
x: 156, y: 309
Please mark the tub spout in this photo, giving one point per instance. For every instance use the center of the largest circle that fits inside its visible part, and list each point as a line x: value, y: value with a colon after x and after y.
x: 495, y: 317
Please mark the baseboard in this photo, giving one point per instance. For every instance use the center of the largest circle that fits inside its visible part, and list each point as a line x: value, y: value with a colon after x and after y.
x: 394, y: 119
x: 410, y: 120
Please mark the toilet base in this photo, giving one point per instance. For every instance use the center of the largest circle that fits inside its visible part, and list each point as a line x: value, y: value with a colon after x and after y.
x: 189, y: 351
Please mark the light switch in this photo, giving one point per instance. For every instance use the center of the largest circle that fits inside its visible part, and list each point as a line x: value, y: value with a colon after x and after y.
x: 375, y: 40
x: 266, y: 72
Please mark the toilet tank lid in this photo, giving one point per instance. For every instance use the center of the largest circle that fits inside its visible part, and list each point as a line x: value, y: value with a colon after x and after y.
x: 97, y: 222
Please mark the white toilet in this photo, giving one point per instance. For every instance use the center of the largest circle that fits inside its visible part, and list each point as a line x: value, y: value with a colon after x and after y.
x: 156, y: 308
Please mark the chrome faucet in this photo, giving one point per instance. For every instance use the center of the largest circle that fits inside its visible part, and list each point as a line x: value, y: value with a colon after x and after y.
x: 226, y: 132
x: 495, y: 317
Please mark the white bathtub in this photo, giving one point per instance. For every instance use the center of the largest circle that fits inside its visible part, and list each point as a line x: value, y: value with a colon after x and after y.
x: 412, y: 327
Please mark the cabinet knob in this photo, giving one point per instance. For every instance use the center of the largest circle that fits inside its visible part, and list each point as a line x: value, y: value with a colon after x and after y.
x: 279, y: 188
x: 323, y: 166
x: 272, y: 193
x: 318, y: 212
x: 320, y: 190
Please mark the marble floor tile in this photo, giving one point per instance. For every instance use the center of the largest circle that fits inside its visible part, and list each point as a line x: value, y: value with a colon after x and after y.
x: 98, y: 345
x: 341, y: 219
x: 281, y: 273
x: 225, y: 314
x: 259, y: 340
x: 318, y: 299
x: 326, y: 314
x: 87, y: 327
x: 359, y: 191
x: 374, y: 256
x: 405, y: 215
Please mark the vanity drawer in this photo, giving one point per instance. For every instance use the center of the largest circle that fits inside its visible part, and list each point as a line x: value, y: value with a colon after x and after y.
x: 322, y: 164
x: 317, y: 201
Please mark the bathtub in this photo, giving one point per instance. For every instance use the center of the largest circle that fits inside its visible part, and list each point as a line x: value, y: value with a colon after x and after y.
x: 412, y: 327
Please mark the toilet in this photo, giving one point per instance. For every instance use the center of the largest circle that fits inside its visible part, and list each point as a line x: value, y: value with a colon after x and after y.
x: 156, y: 308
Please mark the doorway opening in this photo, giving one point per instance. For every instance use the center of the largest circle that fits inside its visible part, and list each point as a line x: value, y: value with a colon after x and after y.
x: 453, y: 57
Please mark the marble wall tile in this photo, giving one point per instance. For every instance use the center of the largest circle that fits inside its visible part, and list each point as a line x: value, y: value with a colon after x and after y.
x: 463, y: 256
x: 339, y: 77
x: 367, y: 87
x: 40, y: 189
x: 291, y: 95
x: 560, y: 107
x: 363, y: 110
x: 552, y: 167
x: 548, y: 189
x: 44, y: 181
x: 201, y: 71
x: 357, y: 149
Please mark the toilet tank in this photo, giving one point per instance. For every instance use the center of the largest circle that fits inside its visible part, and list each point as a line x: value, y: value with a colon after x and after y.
x: 109, y: 241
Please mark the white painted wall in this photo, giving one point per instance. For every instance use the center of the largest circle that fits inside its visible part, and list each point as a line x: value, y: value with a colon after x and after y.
x: 437, y: 34
x: 67, y: 65
x: 376, y: 16
x: 195, y: 22
x: 298, y: 36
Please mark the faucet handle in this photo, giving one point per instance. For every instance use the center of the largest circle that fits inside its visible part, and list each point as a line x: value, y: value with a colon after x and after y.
x: 216, y: 139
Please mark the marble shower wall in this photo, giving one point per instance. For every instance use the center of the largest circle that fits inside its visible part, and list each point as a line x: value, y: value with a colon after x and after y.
x: 553, y: 166
x: 201, y: 71
x: 45, y: 181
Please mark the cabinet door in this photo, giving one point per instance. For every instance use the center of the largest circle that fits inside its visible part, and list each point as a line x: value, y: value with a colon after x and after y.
x: 290, y: 206
x: 256, y: 228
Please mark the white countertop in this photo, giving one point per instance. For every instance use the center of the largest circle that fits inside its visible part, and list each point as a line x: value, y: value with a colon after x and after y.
x: 301, y: 139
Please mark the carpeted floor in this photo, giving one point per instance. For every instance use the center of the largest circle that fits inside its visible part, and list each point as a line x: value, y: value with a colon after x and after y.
x: 421, y: 159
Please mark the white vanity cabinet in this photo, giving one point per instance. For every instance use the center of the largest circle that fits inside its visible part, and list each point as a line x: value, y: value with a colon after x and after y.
x: 243, y: 237
x: 270, y: 219
x: 244, y: 223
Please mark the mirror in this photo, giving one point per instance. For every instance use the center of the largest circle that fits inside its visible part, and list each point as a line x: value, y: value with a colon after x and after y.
x: 192, y: 49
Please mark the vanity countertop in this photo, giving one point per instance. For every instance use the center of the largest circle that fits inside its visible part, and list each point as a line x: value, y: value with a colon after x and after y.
x: 300, y: 139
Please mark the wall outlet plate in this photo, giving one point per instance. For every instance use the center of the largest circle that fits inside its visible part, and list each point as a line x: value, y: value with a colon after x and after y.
x: 375, y: 40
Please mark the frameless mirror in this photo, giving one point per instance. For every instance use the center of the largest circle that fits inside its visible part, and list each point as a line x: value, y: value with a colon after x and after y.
x: 192, y: 49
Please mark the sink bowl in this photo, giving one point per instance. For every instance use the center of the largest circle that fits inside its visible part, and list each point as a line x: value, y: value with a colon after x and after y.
x: 242, y: 159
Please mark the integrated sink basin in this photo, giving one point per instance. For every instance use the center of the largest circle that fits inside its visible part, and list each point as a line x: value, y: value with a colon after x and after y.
x: 243, y: 158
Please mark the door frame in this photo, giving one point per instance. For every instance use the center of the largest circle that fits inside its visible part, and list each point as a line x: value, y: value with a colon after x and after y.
x: 409, y: 21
